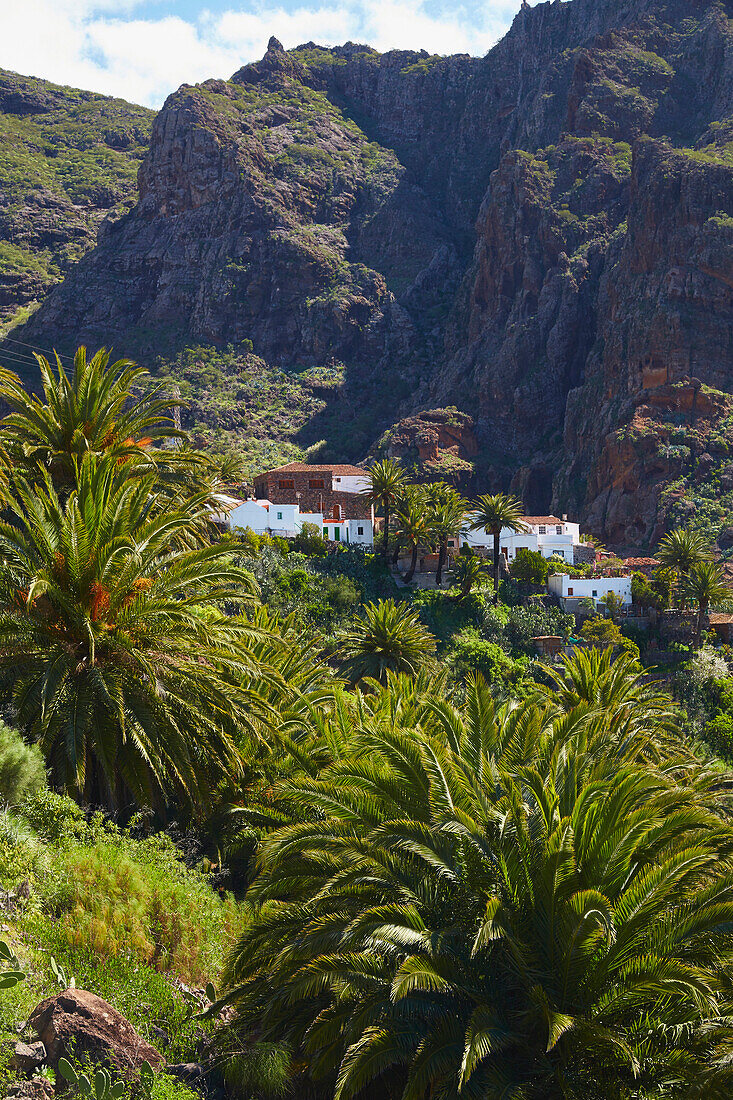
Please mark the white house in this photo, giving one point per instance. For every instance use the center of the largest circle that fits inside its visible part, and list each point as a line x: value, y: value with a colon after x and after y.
x: 571, y: 589
x: 548, y: 534
x: 286, y: 520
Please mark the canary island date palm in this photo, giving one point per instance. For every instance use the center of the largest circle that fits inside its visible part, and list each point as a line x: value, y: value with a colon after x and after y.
x: 468, y: 570
x: 488, y: 914
x: 704, y: 585
x: 385, y: 482
x: 491, y: 514
x: 680, y: 550
x: 413, y: 529
x: 446, y: 513
x: 113, y: 649
x: 98, y: 407
x: 386, y: 636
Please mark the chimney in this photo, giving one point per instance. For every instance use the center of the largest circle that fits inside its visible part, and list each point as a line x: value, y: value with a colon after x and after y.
x: 564, y: 517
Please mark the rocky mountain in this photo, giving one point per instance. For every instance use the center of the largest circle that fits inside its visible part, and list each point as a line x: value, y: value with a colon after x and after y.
x: 541, y: 238
x: 68, y: 161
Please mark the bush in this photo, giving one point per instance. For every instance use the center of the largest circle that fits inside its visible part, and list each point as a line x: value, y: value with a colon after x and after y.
x: 604, y: 633
x: 134, y: 898
x: 530, y: 567
x: 470, y: 652
x: 22, y: 769
x: 310, y: 541
x: 53, y: 816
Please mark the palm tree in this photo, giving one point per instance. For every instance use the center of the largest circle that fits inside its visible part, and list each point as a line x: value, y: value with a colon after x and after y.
x: 469, y: 569
x: 112, y: 645
x: 385, y: 482
x: 413, y: 529
x: 446, y: 516
x: 98, y: 410
x: 492, y: 513
x: 385, y: 637
x: 704, y: 584
x: 680, y: 550
x: 485, y: 904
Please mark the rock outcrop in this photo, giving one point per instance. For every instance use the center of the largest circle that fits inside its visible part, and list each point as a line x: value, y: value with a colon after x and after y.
x: 77, y: 1024
x: 541, y: 238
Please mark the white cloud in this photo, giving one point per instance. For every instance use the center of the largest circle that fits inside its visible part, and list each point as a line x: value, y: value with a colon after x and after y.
x: 101, y: 45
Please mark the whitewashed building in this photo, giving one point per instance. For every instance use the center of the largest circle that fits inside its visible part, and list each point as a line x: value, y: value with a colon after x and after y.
x: 286, y: 520
x: 572, y: 589
x: 551, y: 536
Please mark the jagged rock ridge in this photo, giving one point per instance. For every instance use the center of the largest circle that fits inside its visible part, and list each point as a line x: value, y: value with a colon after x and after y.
x: 542, y: 237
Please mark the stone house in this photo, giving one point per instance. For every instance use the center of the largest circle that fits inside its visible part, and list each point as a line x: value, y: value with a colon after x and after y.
x: 331, y: 491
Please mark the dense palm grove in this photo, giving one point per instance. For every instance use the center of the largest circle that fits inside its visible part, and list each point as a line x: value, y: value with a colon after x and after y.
x: 415, y: 861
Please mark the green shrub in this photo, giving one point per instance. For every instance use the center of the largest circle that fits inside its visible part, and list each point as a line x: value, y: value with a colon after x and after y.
x: 310, y: 541
x: 470, y: 652
x: 123, y: 897
x: 263, y: 1069
x: 530, y: 567
x: 53, y: 816
x: 605, y: 633
x: 20, y: 851
x: 22, y: 770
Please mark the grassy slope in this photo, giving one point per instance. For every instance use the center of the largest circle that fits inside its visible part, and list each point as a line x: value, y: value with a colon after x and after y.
x: 68, y: 159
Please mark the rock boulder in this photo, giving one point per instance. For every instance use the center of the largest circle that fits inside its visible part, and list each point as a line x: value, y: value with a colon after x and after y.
x: 82, y: 1021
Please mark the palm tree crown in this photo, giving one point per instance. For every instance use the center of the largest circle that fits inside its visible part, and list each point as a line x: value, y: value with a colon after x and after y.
x: 385, y: 482
x: 496, y: 901
x: 111, y: 644
x: 704, y: 585
x: 491, y: 514
x: 92, y: 411
x: 385, y: 637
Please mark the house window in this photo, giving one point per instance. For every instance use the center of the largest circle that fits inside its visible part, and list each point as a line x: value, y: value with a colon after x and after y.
x: 558, y: 529
x: 325, y: 532
x: 315, y: 483
x: 337, y: 534
x: 360, y: 530
x: 336, y: 512
x: 287, y: 483
x: 595, y: 593
x: 543, y: 530
x: 570, y: 591
x: 337, y: 479
x: 279, y: 515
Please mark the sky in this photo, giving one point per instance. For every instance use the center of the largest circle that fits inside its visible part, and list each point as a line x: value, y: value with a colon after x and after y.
x: 142, y: 50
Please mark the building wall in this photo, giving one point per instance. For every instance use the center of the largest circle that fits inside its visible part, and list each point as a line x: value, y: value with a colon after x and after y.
x: 594, y: 588
x: 297, y: 485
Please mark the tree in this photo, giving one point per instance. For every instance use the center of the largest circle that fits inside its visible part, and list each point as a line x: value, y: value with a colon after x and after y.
x: 605, y: 634
x: 385, y: 482
x: 117, y: 658
x: 704, y: 584
x: 492, y: 513
x: 530, y: 566
x: 413, y: 529
x: 102, y: 408
x: 385, y: 637
x: 612, y: 603
x: 446, y: 516
x: 496, y: 901
x: 468, y: 570
x: 680, y: 550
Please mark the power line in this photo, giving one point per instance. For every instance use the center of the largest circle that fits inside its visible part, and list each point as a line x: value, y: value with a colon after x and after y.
x: 35, y: 347
x: 6, y: 356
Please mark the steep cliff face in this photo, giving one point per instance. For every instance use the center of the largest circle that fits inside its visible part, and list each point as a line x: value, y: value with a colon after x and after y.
x: 68, y: 160
x: 540, y: 237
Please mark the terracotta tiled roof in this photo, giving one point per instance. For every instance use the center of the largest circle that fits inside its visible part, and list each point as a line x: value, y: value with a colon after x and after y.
x: 720, y: 617
x: 306, y: 468
x: 632, y: 563
x: 532, y: 520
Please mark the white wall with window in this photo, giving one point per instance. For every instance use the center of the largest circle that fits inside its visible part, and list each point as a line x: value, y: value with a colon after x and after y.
x: 593, y: 588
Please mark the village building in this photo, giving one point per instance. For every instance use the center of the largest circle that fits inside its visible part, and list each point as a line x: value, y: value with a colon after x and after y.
x: 572, y: 590
x: 550, y: 535
x: 327, y: 496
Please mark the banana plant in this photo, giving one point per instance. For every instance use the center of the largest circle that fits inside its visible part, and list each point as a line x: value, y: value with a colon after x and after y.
x: 14, y: 976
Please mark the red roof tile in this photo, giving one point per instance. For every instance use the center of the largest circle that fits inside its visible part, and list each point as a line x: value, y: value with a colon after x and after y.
x: 306, y: 468
x: 532, y: 520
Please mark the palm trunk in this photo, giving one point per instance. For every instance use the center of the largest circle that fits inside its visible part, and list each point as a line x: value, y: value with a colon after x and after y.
x: 385, y: 509
x: 698, y: 629
x: 396, y: 553
x: 413, y: 564
x: 441, y: 562
x: 496, y: 567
